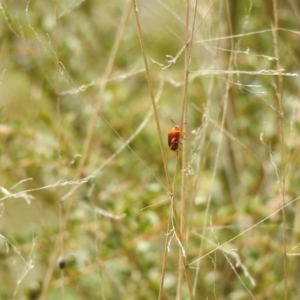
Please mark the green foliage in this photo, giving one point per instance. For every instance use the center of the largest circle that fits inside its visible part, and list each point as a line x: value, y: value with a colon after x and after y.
x: 83, y: 177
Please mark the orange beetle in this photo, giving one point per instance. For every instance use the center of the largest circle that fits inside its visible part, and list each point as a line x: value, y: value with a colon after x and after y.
x: 174, y: 137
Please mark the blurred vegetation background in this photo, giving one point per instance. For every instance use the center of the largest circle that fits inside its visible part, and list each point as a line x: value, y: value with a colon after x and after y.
x: 85, y: 204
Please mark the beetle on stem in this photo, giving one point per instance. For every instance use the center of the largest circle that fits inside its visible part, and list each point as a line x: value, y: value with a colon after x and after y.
x: 174, y: 137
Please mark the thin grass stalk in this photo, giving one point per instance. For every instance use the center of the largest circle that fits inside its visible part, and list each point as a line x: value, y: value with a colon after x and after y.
x: 183, y: 230
x: 207, y: 112
x: 152, y: 97
x: 143, y: 51
x: 228, y: 83
x: 174, y: 217
x: 183, y: 179
x: 279, y: 90
x: 58, y: 116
